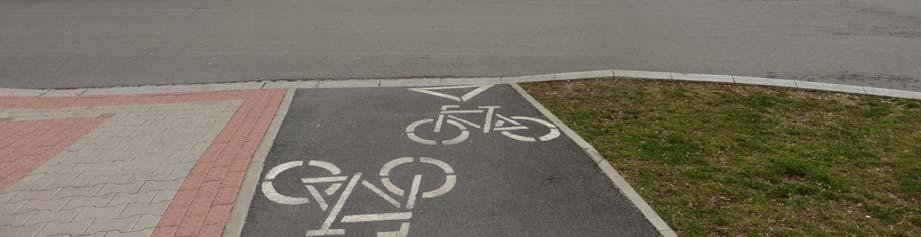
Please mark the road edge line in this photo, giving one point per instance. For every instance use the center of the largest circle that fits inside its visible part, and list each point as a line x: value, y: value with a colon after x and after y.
x: 622, y: 185
x: 234, y: 226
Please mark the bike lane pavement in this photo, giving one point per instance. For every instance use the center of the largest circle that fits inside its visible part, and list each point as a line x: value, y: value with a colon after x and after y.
x: 368, y: 161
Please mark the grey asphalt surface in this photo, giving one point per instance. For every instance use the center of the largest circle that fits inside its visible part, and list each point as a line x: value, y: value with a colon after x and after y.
x: 63, y: 43
x: 504, y: 187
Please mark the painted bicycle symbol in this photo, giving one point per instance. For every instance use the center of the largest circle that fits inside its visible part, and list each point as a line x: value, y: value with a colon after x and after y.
x: 330, y: 177
x: 507, y: 125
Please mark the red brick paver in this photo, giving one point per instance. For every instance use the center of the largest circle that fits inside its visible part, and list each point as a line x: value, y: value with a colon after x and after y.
x: 25, y: 145
x: 201, y: 205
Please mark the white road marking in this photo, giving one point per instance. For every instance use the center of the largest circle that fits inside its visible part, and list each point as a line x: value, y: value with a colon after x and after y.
x: 441, y: 164
x: 333, y: 188
x: 377, y: 217
x: 324, y: 179
x: 333, y: 169
x: 450, y: 181
x: 403, y: 232
x: 380, y: 193
x: 385, y: 170
x: 339, y: 203
x: 316, y: 195
x: 269, y: 191
x: 467, y: 96
x: 281, y: 168
x: 414, y: 191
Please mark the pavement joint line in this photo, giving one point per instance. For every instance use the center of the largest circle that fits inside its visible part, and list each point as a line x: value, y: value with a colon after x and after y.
x: 234, y: 226
x: 622, y: 185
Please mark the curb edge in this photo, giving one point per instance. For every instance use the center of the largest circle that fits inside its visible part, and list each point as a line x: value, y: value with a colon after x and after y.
x: 445, y: 81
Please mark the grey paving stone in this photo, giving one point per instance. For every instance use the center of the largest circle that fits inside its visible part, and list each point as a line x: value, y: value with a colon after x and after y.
x: 139, y: 233
x: 16, y: 219
x: 15, y: 231
x: 163, y: 195
x: 99, y: 212
x: 51, y: 205
x: 78, y: 191
x: 114, y: 179
x: 7, y: 208
x: 145, y: 222
x: 106, y: 224
x: 6, y: 196
x: 70, y: 228
x: 120, y: 188
x: 161, y: 185
x: 125, y: 198
x: 155, y: 209
x: 34, y: 195
x: 94, y: 201
x: 57, y: 216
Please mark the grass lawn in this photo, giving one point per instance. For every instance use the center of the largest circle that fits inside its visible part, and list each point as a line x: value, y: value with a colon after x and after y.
x: 718, y: 159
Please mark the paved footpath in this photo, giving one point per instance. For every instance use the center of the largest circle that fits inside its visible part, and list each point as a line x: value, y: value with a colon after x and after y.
x: 436, y: 161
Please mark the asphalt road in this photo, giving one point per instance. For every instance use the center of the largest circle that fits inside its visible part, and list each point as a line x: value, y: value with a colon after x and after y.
x: 492, y: 183
x: 64, y: 43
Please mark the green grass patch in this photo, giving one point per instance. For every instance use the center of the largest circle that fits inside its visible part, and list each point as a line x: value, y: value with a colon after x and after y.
x: 718, y: 159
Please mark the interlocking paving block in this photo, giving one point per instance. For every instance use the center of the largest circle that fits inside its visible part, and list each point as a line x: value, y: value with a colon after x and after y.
x: 120, y: 188
x: 78, y: 191
x: 62, y: 216
x: 92, y: 201
x: 163, y: 195
x: 29, y: 230
x: 16, y: 219
x: 146, y: 222
x: 127, y: 198
x: 112, y: 224
x: 51, y: 205
x: 69, y: 228
x: 139, y: 233
x: 155, y: 209
x: 99, y: 212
